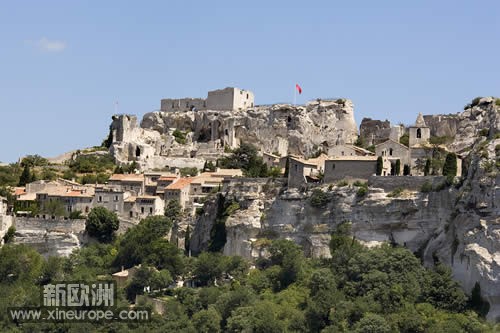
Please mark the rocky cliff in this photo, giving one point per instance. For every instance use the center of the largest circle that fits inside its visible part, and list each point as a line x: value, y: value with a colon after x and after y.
x: 458, y: 225
x: 167, y: 138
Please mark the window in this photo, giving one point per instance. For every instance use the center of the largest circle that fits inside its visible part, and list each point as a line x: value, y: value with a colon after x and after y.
x: 419, y: 133
x: 137, y: 152
x: 142, y: 210
x: 131, y: 214
x: 116, y: 198
x: 150, y: 210
x: 247, y: 96
x: 87, y: 209
x: 390, y: 151
x: 342, y: 153
x: 99, y: 199
x: 296, y: 167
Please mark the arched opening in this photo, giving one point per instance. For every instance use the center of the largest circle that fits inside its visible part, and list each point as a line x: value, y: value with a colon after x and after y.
x: 137, y: 152
x: 419, y: 133
x: 289, y: 119
x: 390, y: 151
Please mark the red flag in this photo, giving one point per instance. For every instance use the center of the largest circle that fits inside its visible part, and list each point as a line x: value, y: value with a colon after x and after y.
x: 299, y: 89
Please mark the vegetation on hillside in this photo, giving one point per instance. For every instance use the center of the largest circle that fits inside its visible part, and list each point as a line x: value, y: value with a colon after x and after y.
x: 383, y: 289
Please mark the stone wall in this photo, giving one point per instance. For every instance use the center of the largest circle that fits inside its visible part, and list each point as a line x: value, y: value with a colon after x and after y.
x: 59, y: 224
x: 183, y: 104
x: 374, y: 131
x: 390, y: 183
x: 341, y: 169
x: 222, y: 99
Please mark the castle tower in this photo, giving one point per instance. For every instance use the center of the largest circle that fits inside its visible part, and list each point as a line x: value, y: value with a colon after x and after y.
x: 420, y: 133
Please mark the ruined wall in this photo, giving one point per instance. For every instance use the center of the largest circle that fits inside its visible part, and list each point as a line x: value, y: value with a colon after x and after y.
x: 222, y: 99
x: 390, y: 183
x: 183, y: 104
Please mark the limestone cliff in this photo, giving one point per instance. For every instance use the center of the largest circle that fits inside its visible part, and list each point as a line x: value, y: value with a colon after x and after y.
x: 458, y: 225
x: 278, y: 128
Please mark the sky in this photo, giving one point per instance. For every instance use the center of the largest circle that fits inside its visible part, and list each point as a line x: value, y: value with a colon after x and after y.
x: 64, y: 64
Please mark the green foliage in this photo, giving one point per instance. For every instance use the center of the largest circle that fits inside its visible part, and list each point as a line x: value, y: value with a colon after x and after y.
x: 9, y: 175
x: 102, y: 224
x: 405, y: 140
x: 207, y: 321
x: 48, y: 174
x: 34, y: 161
x: 69, y: 174
x: 53, y: 208
x: 100, y: 178
x: 319, y: 198
x: 497, y: 102
x: 475, y: 101
x: 9, y: 235
x: 426, y: 187
x: 371, y: 148
x: 245, y: 158
x: 450, y: 165
x: 396, y: 193
x: 188, y: 172
x: 439, y: 140
x: 380, y: 166
x: 218, y: 231
x: 106, y: 143
x: 94, y: 163
x: 427, y: 168
x: 26, y: 176
x: 342, y: 183
x: 209, y: 166
x: 406, y: 170
x: 484, y: 132
x: 180, y: 136
x: 75, y: 215
x: 477, y: 303
x: 398, y: 167
x: 274, y: 172
x: 359, y: 142
x: 361, y: 192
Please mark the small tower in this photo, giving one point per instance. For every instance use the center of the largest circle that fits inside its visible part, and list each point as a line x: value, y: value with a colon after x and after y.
x: 420, y: 132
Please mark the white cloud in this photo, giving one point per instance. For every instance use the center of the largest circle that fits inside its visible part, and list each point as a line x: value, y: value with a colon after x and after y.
x: 48, y: 45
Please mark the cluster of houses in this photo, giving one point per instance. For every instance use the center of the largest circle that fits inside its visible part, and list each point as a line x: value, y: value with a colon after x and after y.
x: 351, y: 162
x: 130, y: 196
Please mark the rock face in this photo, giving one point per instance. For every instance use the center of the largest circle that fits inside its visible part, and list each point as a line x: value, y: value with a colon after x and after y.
x: 458, y: 225
x: 282, y: 129
x: 374, y: 131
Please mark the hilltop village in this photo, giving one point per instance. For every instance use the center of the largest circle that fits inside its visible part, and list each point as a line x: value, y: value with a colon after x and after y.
x: 241, y: 176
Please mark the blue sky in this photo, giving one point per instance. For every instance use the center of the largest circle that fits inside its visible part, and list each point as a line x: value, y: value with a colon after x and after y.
x: 63, y: 64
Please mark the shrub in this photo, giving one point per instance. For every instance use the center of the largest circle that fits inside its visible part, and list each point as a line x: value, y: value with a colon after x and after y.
x: 450, y: 165
x: 362, y: 191
x: 396, y: 193
x: 497, y: 102
x: 188, y: 172
x: 475, y: 101
x: 9, y: 235
x: 426, y: 187
x: 180, y: 137
x: 398, y: 167
x: 484, y: 132
x: 427, y: 168
x: 405, y: 140
x: 319, y: 198
x: 342, y: 183
x: 358, y: 183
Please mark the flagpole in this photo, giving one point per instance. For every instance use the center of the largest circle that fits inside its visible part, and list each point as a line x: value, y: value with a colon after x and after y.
x: 294, y: 95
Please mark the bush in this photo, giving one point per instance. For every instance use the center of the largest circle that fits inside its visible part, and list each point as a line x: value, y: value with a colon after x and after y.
x: 188, y: 172
x: 9, y: 235
x: 475, y: 101
x: 180, y: 137
x: 450, y: 165
x: 362, y: 191
x: 358, y: 183
x: 426, y: 187
x: 484, y: 132
x: 405, y: 140
x: 342, y: 183
x: 396, y: 193
x: 319, y: 198
x: 92, y: 163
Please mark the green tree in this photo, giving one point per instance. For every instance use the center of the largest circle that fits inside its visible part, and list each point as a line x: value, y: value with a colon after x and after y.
x: 398, y: 167
x: 54, y: 208
x: 406, y: 170
x: 380, y: 166
x: 102, y: 224
x: 245, y: 157
x: 372, y: 323
x: 450, y: 165
x: 207, y: 321
x: 427, y: 168
x: 26, y: 176
x: 9, y: 235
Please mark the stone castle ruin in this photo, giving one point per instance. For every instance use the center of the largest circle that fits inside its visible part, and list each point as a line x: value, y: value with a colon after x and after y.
x: 225, y: 119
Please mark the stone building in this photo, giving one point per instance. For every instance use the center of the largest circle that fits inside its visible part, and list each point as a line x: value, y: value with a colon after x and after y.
x: 350, y: 167
x: 348, y: 150
x: 179, y: 191
x: 128, y: 182
x: 227, y: 99
x: 420, y: 133
x: 394, y: 151
x: 302, y: 171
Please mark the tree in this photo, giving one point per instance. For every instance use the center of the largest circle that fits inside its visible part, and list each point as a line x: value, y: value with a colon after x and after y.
x: 427, y: 168
x: 26, y: 176
x: 372, y: 323
x: 398, y: 167
x: 450, y: 165
x: 245, y: 157
x: 207, y: 321
x: 102, y: 224
x: 380, y: 165
x: 9, y: 235
x: 54, y: 208
x: 406, y: 170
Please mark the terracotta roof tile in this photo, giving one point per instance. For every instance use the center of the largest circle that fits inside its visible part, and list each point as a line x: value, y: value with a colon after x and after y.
x: 180, y: 184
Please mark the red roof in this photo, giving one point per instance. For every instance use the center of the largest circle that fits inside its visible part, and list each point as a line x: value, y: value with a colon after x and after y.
x: 180, y: 184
